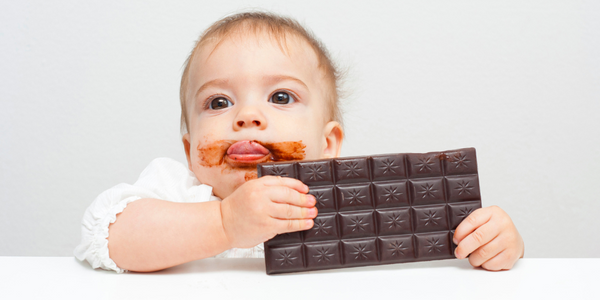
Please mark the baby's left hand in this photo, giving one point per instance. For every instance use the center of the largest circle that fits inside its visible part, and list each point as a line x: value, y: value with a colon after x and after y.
x: 490, y: 237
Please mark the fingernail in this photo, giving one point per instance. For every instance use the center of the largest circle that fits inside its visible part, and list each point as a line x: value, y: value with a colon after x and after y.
x: 456, y: 254
x: 308, y: 223
x: 314, y: 212
x: 313, y: 200
x: 455, y: 241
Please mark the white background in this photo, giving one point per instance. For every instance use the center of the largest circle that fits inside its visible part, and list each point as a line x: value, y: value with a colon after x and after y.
x: 89, y: 96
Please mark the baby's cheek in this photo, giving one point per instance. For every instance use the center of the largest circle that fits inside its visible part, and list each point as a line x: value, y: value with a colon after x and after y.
x: 200, y: 173
x: 314, y: 150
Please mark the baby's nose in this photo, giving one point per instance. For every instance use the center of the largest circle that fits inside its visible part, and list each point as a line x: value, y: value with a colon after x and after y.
x: 242, y: 123
x: 249, y: 118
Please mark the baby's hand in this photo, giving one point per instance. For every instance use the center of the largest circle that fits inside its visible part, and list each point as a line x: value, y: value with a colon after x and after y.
x: 490, y: 237
x: 262, y: 208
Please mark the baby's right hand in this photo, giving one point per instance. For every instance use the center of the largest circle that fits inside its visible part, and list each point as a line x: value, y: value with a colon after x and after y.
x: 262, y: 208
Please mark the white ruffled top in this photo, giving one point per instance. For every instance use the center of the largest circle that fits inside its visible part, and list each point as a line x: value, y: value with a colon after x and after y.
x: 163, y: 178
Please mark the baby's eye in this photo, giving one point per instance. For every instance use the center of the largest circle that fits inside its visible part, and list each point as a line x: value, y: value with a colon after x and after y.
x: 220, y: 103
x: 281, y: 98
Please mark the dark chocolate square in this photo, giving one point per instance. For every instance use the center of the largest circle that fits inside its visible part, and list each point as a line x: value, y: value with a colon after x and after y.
x: 427, y: 191
x: 430, y: 218
x: 424, y: 165
x: 354, y: 197
x: 351, y: 170
x: 389, y: 167
x: 288, y: 258
x: 391, y: 193
x: 463, y: 188
x: 460, y: 162
x: 396, y: 248
x: 360, y: 252
x: 315, y: 173
x: 357, y: 224
x: 433, y: 245
x: 393, y: 221
x: 323, y: 255
x: 280, y: 169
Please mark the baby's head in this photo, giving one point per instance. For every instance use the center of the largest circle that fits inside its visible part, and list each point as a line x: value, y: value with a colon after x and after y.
x: 257, y: 87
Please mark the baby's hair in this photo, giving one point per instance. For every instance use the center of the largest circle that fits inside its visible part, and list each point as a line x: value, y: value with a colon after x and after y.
x: 276, y: 26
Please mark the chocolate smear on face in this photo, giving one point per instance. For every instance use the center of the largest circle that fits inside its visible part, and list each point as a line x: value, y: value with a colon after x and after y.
x: 283, y: 151
x: 250, y: 175
x: 213, y: 154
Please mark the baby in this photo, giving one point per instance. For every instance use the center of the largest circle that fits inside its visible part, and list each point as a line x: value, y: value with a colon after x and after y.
x: 257, y: 87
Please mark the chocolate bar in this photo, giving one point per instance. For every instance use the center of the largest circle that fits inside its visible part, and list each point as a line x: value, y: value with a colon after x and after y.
x: 375, y: 210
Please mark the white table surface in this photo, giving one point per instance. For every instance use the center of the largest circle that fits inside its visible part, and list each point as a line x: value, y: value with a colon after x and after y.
x: 241, y: 278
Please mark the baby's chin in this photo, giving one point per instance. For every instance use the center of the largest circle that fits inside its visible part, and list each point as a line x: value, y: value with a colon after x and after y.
x: 230, y: 181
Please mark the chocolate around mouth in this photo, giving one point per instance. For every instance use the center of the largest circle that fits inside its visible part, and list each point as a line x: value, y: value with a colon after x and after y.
x: 215, y: 154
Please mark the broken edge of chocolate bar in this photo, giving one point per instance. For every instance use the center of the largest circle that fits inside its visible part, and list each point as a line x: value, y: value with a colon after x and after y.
x: 376, y: 210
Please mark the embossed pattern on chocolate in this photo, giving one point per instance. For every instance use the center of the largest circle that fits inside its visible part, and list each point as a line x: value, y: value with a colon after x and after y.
x: 377, y: 210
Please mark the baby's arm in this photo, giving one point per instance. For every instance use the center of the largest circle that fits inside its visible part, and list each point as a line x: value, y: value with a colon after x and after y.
x: 153, y: 234
x: 490, y: 239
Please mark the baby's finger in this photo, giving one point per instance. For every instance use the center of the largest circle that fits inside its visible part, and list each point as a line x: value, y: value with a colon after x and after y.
x: 288, y: 211
x: 499, y: 262
x: 286, y: 181
x: 486, y: 252
x: 284, y: 226
x: 282, y: 194
x: 472, y: 222
x: 478, y: 238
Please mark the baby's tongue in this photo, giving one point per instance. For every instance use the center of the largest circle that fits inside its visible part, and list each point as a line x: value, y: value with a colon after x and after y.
x: 247, y: 150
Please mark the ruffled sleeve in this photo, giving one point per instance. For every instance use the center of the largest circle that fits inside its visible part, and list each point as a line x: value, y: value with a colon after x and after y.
x: 164, y: 178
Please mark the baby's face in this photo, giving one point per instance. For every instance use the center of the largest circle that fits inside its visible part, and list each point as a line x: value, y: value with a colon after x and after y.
x: 248, y: 102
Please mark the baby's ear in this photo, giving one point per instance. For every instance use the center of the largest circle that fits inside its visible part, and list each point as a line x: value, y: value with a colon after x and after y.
x: 333, y: 135
x: 186, y: 146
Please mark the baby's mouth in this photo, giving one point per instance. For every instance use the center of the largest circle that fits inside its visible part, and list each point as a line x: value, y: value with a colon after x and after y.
x: 246, y: 153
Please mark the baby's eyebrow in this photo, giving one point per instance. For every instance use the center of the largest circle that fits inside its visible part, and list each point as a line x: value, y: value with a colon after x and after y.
x: 269, y: 79
x: 215, y: 82
x: 277, y: 78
